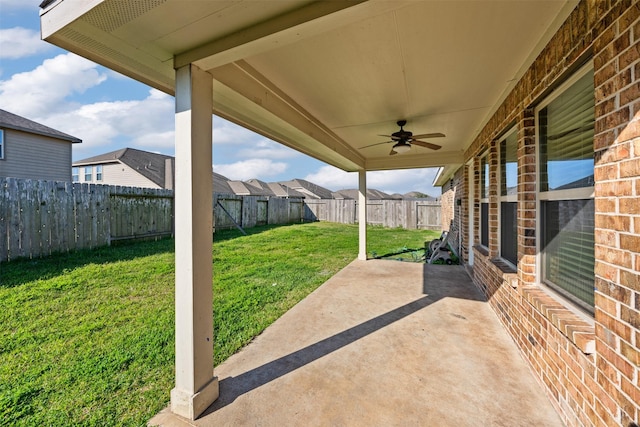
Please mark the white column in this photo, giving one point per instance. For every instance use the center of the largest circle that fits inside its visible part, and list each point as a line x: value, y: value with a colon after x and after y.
x: 196, y: 387
x: 362, y: 214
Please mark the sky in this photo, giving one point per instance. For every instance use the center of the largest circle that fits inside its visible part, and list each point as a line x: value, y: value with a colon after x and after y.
x: 109, y: 111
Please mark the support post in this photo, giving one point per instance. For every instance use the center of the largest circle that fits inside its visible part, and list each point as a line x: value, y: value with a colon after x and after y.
x: 362, y: 214
x: 196, y: 387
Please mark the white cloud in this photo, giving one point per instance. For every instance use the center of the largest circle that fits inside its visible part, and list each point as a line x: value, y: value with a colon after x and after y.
x: 251, y: 168
x: 35, y: 94
x: 145, y: 124
x: 333, y: 178
x: 21, y: 42
x: 225, y: 132
x: 266, y: 149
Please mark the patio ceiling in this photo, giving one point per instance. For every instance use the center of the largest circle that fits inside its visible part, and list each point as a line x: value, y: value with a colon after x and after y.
x: 326, y: 78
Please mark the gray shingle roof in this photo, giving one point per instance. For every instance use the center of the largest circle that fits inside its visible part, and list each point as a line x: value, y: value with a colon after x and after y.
x: 308, y: 188
x: 13, y: 121
x: 150, y: 165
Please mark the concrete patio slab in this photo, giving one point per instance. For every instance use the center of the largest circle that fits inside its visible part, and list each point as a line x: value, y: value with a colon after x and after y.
x: 382, y: 343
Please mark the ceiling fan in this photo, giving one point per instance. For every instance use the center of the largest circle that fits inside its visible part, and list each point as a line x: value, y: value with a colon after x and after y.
x: 404, y: 140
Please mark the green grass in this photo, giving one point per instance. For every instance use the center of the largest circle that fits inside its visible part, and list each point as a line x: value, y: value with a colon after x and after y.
x: 87, y: 337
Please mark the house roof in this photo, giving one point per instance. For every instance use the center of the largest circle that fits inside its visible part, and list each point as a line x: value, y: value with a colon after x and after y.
x: 13, y: 121
x: 150, y: 165
x: 372, y: 194
x: 307, y: 188
x: 246, y: 189
x: 221, y: 184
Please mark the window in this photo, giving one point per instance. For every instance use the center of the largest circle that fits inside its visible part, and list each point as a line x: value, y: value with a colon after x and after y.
x: 88, y: 173
x: 99, y: 173
x: 565, y: 129
x: 1, y: 144
x: 484, y: 200
x: 75, y: 174
x: 509, y: 197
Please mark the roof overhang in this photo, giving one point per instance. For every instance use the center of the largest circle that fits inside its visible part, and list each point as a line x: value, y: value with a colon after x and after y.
x: 326, y: 78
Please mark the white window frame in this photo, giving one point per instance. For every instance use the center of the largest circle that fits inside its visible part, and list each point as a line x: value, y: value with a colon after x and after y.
x: 99, y: 173
x: 88, y: 169
x: 1, y: 144
x: 75, y: 174
x: 513, y: 198
x: 568, y: 194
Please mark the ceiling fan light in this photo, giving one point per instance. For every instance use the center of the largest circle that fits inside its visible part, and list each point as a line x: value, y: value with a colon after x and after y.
x: 401, y: 147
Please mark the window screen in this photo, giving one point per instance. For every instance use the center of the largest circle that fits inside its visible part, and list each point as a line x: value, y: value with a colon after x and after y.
x: 568, y: 253
x: 508, y: 197
x: 566, y: 129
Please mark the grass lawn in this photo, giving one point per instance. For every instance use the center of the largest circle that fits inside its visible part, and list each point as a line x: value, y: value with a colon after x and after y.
x: 87, y: 337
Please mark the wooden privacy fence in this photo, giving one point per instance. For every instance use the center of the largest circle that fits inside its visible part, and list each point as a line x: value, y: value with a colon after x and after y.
x: 410, y: 214
x: 38, y: 218
x: 231, y: 210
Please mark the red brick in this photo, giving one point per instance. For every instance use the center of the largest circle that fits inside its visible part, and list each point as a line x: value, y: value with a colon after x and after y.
x: 630, y: 390
x: 616, y: 188
x: 628, y: 18
x: 629, y: 56
x: 606, y: 172
x: 630, y: 205
x: 630, y: 279
x: 630, y: 353
x: 630, y: 316
x: 630, y: 242
x: 630, y: 168
x: 603, y: 302
x: 604, y: 139
x: 613, y: 290
x: 613, y: 222
x: 630, y: 94
x: 614, y: 256
x: 606, y: 237
x: 614, y: 119
x: 606, y: 271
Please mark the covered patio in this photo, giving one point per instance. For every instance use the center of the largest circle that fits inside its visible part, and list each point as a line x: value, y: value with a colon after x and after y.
x: 381, y: 343
x: 333, y: 80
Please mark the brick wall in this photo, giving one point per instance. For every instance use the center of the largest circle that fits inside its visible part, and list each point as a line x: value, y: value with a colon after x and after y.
x: 590, y: 368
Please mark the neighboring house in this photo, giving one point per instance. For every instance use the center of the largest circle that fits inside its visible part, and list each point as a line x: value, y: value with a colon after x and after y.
x: 309, y: 189
x: 413, y: 195
x: 221, y: 184
x: 242, y: 188
x: 129, y: 167
x: 30, y: 150
x: 279, y: 190
x: 372, y: 194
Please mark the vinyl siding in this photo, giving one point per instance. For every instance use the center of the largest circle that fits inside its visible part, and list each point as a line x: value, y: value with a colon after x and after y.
x: 119, y: 174
x: 31, y: 156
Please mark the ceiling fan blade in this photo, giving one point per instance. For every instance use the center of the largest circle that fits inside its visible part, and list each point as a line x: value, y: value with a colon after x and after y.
x: 377, y: 143
x: 430, y: 135
x: 426, y: 144
x: 393, y: 152
x: 393, y: 137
